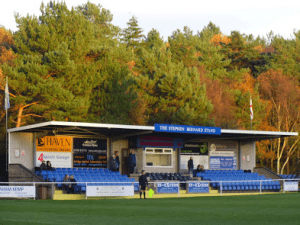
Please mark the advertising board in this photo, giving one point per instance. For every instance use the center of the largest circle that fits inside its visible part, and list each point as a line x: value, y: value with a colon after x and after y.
x: 112, y: 191
x: 219, y: 162
x: 167, y: 187
x: 198, y: 187
x: 89, y: 152
x: 17, y: 192
x: 54, y: 144
x: 290, y: 186
x: 57, y: 159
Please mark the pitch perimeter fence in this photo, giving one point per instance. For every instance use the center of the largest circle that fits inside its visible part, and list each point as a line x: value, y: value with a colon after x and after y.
x: 114, y: 189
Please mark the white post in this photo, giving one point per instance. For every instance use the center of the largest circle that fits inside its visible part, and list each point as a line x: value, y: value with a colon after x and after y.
x: 85, y: 190
x: 35, y: 190
x: 260, y: 182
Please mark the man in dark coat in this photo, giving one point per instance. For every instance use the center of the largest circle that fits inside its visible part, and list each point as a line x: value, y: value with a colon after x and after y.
x: 143, y: 182
x: 191, y: 165
x: 131, y: 161
x: 113, y: 164
x: 43, y: 166
x: 117, y: 160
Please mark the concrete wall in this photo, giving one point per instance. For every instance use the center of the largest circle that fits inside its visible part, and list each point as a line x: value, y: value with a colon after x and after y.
x: 21, y: 149
x: 247, y: 155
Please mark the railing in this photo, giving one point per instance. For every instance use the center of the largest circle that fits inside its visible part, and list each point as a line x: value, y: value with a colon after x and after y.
x: 171, y: 187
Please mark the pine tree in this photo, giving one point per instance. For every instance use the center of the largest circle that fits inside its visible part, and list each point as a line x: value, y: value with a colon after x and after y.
x: 132, y: 35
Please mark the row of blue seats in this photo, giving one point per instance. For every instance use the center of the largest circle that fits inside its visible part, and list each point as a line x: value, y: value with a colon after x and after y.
x: 250, y: 188
x: 248, y: 180
x: 95, y: 175
x: 290, y: 176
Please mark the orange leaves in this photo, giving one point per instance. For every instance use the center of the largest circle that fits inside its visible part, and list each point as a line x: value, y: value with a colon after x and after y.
x: 220, y: 38
x: 6, y: 40
x: 5, y: 37
x: 247, y: 84
x: 259, y: 48
x: 131, y: 64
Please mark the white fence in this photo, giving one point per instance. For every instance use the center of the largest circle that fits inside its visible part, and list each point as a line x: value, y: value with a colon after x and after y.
x: 29, y: 189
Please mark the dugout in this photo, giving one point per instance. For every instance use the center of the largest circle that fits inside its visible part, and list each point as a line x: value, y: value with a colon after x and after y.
x: 160, y: 148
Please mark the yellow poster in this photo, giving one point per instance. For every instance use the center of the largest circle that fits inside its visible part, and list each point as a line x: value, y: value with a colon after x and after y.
x: 54, y: 144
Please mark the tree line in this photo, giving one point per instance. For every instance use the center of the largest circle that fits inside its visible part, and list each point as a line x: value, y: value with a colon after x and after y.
x: 75, y: 65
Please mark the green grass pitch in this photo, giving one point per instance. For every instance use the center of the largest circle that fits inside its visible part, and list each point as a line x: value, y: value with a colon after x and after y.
x: 252, y: 209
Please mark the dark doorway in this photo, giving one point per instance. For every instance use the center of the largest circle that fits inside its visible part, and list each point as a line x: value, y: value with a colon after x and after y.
x: 125, y: 154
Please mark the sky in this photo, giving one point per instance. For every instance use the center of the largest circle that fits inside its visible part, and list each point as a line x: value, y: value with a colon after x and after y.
x: 256, y: 17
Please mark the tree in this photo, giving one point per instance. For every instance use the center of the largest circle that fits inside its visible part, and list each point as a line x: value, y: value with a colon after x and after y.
x: 56, y: 81
x: 283, y: 94
x: 154, y: 40
x: 114, y: 100
x: 132, y: 35
x: 182, y: 46
x: 209, y: 31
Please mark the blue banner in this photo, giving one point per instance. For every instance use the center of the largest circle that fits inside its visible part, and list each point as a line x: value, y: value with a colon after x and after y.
x: 186, y: 129
x: 163, y: 188
x: 221, y: 162
x: 198, y: 187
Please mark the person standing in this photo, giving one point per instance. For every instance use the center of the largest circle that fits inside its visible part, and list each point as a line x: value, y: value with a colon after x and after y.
x: 131, y: 161
x: 191, y: 165
x: 117, y: 160
x: 143, y: 182
x: 113, y: 164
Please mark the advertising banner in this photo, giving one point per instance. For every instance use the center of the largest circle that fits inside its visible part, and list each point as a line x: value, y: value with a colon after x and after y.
x: 195, y: 148
x: 167, y: 187
x: 17, y: 192
x: 54, y: 144
x: 198, y: 187
x: 57, y: 159
x: 89, y: 152
x: 290, y: 186
x: 98, y: 191
x: 218, y: 162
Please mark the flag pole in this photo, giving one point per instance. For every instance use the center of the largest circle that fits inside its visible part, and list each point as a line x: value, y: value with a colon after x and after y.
x: 6, y: 144
x: 6, y: 105
x: 251, y: 112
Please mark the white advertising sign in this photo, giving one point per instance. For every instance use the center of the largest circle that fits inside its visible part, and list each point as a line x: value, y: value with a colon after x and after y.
x: 95, y: 191
x: 57, y: 159
x: 290, y: 186
x: 17, y: 192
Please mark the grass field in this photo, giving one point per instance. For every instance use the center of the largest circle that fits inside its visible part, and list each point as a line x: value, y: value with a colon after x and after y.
x: 253, y: 209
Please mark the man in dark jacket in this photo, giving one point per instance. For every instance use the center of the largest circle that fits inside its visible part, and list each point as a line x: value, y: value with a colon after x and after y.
x: 113, y: 164
x: 143, y: 182
x: 191, y: 165
x: 131, y: 162
x: 73, y: 184
x: 43, y: 166
x: 117, y: 160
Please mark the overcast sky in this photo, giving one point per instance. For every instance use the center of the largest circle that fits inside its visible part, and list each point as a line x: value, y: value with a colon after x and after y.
x: 257, y: 17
